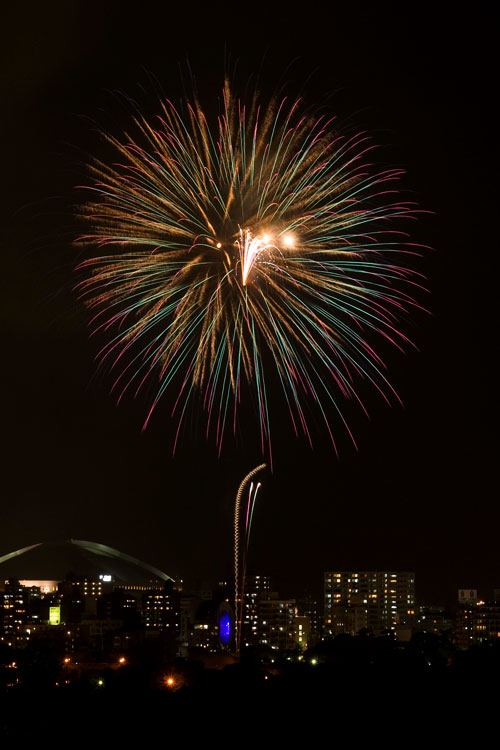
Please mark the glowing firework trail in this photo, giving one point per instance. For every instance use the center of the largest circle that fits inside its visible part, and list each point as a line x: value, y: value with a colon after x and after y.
x: 252, y: 497
x: 241, y: 549
x: 259, y: 250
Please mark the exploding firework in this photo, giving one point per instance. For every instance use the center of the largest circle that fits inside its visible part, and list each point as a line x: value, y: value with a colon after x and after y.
x: 258, y: 252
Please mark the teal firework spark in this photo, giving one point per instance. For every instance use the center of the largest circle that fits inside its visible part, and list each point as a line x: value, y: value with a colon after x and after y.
x: 260, y: 250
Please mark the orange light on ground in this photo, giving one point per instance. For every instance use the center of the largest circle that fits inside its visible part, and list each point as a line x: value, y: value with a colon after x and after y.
x: 172, y: 681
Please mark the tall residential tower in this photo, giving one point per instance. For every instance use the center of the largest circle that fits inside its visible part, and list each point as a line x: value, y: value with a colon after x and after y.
x: 377, y: 600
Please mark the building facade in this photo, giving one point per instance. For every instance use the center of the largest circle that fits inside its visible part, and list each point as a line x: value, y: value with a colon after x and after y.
x: 477, y: 622
x: 380, y: 601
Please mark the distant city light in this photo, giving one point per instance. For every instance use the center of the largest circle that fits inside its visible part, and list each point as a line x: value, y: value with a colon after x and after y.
x: 55, y: 615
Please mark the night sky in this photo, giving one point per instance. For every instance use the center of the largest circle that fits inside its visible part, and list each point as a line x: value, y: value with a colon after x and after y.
x: 416, y: 494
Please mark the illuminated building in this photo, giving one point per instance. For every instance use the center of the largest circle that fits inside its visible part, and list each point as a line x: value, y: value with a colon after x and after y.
x: 204, y: 633
x: 347, y: 618
x: 268, y: 619
x: 55, y: 615
x: 308, y: 606
x: 91, y: 563
x: 119, y: 605
x: 276, y: 623
x: 302, y: 625
x: 378, y: 600
x: 14, y: 601
x: 161, y: 610
x: 477, y: 621
x: 107, y: 591
x: 257, y: 589
x: 77, y: 598
x: 44, y: 587
x: 486, y: 622
x: 434, y: 619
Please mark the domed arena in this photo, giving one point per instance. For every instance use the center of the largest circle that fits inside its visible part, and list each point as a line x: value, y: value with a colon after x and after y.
x: 55, y: 561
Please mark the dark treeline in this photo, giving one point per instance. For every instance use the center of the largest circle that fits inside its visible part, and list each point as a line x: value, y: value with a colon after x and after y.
x: 362, y: 669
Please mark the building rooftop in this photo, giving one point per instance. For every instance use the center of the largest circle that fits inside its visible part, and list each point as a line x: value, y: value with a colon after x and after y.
x: 55, y: 560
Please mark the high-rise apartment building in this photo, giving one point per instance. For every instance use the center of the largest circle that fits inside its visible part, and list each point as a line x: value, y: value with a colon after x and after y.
x: 377, y: 600
x: 161, y: 609
x: 476, y: 621
x: 257, y: 589
x: 277, y: 623
x: 14, y: 614
x: 311, y: 607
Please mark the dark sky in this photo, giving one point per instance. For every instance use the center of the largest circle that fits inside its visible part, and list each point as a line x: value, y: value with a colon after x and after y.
x: 416, y: 495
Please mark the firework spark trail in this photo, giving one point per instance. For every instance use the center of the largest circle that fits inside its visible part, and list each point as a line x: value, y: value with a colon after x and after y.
x: 263, y: 244
x: 241, y: 546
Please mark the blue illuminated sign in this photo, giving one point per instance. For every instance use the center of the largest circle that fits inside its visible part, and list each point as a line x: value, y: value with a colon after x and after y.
x: 224, y: 628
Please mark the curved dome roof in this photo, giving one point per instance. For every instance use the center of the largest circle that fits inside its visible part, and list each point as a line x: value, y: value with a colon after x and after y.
x: 89, y: 559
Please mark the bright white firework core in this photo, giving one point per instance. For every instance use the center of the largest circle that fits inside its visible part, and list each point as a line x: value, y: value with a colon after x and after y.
x: 250, y: 248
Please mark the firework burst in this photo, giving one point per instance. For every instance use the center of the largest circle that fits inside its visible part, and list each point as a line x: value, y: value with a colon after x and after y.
x: 259, y: 249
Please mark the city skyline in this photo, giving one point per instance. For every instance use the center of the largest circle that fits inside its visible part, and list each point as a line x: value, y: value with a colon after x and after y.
x: 45, y: 565
x: 92, y: 614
